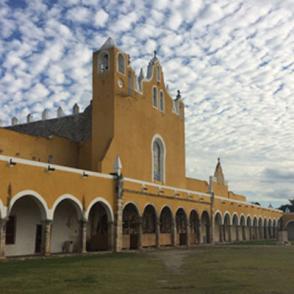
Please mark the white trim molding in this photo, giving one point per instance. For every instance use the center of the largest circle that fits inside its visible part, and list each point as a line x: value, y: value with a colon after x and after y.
x: 39, y: 200
x: 55, y: 166
x: 3, y: 210
x: 153, y: 206
x: 104, y: 203
x: 77, y: 203
x: 135, y: 205
x: 221, y: 215
x: 166, y: 206
x: 238, y: 219
x: 230, y: 217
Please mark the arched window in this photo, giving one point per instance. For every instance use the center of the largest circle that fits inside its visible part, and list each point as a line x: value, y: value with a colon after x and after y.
x: 103, y: 62
x: 158, y: 160
x: 121, y: 63
x: 130, y: 84
x: 158, y: 74
x: 161, y: 101
x: 154, y: 97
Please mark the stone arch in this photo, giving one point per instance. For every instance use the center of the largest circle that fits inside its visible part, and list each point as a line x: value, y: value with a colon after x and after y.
x: 166, y: 226
x: 218, y: 221
x: 220, y: 215
x: 235, y: 231
x: 67, y: 213
x: 77, y: 204
x: 99, y: 216
x: 153, y: 207
x: 194, y: 224
x: 228, y: 217
x: 38, y: 199
x: 164, y: 207
x: 205, y: 227
x: 149, y: 219
x: 181, y: 226
x: 105, y: 203
x: 26, y: 214
x: 131, y: 226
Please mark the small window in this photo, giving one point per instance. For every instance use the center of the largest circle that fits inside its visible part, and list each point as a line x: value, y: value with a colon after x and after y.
x: 103, y: 63
x: 154, y: 97
x: 10, y: 230
x: 161, y: 102
x: 121, y: 63
x: 158, y: 74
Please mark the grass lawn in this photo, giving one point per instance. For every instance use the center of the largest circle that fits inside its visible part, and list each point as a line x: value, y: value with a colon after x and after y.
x: 230, y: 269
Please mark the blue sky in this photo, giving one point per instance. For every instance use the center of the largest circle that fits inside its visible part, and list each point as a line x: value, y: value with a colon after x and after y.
x: 232, y: 60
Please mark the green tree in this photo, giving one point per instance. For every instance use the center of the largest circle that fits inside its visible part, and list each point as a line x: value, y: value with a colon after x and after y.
x: 288, y: 207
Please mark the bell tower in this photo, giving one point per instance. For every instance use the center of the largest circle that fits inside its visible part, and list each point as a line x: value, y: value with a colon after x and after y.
x: 103, y: 103
x: 130, y: 115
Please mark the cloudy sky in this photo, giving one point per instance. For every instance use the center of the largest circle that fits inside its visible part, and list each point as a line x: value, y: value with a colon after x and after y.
x: 232, y: 60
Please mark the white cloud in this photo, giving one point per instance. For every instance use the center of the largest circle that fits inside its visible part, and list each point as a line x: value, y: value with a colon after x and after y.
x: 233, y: 61
x: 175, y: 20
x: 101, y: 18
x: 79, y: 14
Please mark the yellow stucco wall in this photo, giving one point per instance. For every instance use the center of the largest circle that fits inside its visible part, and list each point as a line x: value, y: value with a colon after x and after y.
x: 51, y: 185
x: 130, y: 122
x: 63, y: 151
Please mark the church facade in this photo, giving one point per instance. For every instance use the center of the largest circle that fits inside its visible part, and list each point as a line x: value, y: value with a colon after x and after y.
x: 113, y: 177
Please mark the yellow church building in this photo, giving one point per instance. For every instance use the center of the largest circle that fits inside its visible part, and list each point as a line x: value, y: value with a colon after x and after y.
x: 113, y: 177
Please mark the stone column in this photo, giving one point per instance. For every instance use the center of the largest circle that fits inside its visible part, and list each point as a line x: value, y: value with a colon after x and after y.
x: 140, y: 233
x: 211, y: 231
x: 230, y: 233
x: 110, y: 237
x: 237, y: 233
x: 118, y: 223
x: 198, y: 233
x: 250, y: 232
x: 117, y: 231
x: 243, y: 233
x: 83, y: 247
x: 2, y: 238
x: 276, y: 233
x: 223, y: 233
x: 157, y: 232
x: 188, y: 229
x: 174, y: 233
x: 46, y: 240
x: 208, y: 229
